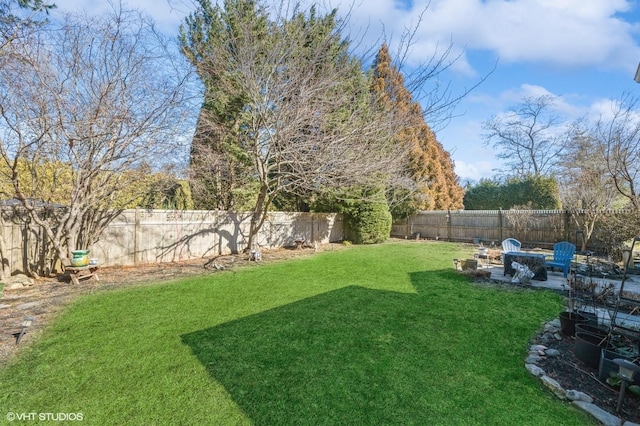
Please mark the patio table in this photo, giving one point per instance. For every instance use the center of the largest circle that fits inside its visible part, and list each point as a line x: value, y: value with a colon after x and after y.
x: 535, y: 262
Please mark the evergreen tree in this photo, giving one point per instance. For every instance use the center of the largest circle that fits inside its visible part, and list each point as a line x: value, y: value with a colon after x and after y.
x: 288, y: 109
x: 221, y: 174
x: 436, y: 186
x: 368, y: 219
x: 485, y: 195
x: 535, y: 191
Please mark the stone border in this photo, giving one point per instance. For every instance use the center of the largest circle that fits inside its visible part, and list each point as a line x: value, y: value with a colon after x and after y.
x: 578, y: 398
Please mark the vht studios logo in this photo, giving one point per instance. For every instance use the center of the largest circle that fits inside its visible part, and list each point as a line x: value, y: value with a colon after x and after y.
x: 52, y: 417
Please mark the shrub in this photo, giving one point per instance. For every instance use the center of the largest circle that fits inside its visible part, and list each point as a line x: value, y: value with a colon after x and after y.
x: 538, y: 192
x: 369, y: 221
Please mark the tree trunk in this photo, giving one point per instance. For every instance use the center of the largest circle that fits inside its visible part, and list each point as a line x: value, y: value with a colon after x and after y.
x: 5, y: 269
x: 259, y: 216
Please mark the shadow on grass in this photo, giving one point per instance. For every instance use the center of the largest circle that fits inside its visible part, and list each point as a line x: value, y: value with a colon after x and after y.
x: 352, y: 355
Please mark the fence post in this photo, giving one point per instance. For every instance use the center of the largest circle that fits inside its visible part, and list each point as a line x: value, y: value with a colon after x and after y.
x: 449, y: 225
x: 136, y: 237
x: 500, y: 233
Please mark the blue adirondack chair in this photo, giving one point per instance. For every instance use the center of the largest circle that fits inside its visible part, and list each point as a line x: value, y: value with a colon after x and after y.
x: 510, y: 245
x: 562, y: 255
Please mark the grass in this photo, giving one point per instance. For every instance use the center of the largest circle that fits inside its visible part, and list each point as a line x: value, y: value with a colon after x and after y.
x: 385, y: 334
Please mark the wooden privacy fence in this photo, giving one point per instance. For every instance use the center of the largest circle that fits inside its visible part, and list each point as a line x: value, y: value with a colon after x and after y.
x: 155, y: 236
x: 539, y: 228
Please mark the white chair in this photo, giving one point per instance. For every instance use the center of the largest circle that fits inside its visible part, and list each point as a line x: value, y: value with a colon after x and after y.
x: 510, y: 245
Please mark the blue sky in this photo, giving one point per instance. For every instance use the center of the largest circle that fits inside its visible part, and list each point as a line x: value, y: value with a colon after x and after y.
x: 585, y: 52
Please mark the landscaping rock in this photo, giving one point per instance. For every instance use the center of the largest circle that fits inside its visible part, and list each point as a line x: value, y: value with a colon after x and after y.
x: 547, y: 338
x: 28, y: 305
x: 19, y: 281
x: 575, y: 395
x: 555, y: 323
x: 552, y: 352
x: 532, y: 359
x: 599, y: 414
x: 535, y: 370
x: 554, y: 386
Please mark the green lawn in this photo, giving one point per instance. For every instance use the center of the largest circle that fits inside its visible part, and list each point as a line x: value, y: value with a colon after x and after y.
x: 367, y: 335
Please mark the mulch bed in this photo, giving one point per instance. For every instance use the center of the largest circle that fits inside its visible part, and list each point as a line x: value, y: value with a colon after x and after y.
x: 572, y: 374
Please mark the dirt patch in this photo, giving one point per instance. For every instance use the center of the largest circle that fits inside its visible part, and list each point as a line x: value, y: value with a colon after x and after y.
x: 48, y: 296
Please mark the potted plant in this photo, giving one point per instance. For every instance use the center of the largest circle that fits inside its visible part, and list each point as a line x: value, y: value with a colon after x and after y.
x: 568, y: 320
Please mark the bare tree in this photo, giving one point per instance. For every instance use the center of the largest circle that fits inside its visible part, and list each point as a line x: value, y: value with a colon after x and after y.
x: 529, y: 137
x: 19, y: 18
x: 587, y: 189
x: 303, y: 112
x: 426, y: 80
x: 618, y: 134
x: 521, y: 218
x: 82, y: 110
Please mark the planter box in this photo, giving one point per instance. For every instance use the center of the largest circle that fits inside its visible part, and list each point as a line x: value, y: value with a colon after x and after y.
x: 469, y: 264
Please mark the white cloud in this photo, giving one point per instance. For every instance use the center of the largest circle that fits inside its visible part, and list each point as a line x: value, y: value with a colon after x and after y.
x: 564, y: 105
x: 474, y: 171
x: 607, y: 109
x: 560, y: 32
x: 565, y: 32
x: 167, y: 14
x: 570, y: 33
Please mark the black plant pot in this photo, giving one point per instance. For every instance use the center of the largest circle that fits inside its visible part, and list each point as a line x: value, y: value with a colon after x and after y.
x: 587, y: 348
x: 592, y: 318
x: 568, y: 322
x: 586, y: 327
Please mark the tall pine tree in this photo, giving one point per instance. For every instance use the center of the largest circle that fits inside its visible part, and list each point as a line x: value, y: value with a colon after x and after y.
x: 431, y: 167
x: 285, y: 103
x: 221, y: 170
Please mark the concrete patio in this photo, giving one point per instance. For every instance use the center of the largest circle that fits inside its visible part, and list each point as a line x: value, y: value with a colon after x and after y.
x: 556, y: 281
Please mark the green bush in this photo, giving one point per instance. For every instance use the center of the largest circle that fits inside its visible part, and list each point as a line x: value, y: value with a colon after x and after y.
x: 369, y: 222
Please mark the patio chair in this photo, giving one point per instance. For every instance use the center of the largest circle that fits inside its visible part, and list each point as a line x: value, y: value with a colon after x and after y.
x: 510, y: 245
x: 562, y: 256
